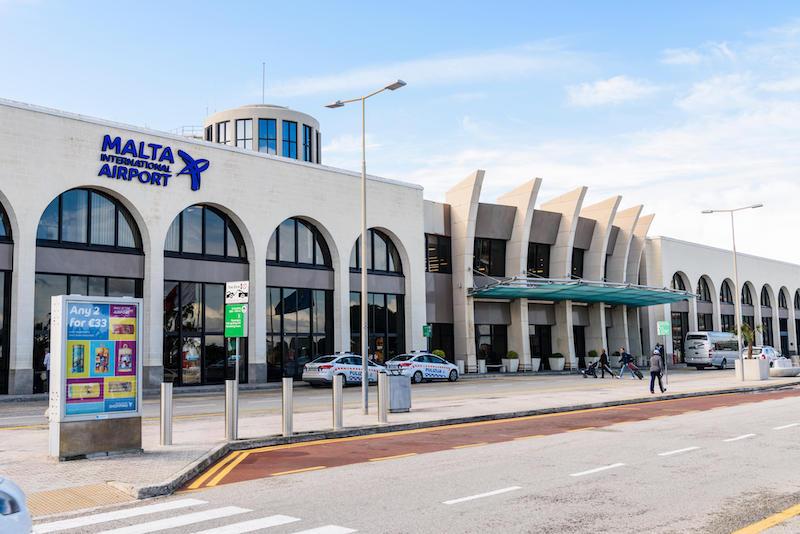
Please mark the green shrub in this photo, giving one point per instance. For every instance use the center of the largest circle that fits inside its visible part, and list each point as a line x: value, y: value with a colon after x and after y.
x: 593, y: 354
x: 512, y: 355
x: 557, y: 355
x: 440, y: 353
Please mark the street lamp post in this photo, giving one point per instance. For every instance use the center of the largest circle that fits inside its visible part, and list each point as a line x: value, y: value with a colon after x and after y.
x: 737, y: 296
x: 363, y: 255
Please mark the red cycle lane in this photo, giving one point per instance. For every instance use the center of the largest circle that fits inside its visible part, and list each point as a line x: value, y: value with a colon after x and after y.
x: 293, y: 458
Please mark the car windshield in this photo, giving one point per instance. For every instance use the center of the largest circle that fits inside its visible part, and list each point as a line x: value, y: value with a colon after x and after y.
x: 324, y: 359
x: 697, y: 337
x: 402, y: 358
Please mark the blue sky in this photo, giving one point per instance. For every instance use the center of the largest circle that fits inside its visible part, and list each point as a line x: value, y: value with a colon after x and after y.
x: 680, y: 106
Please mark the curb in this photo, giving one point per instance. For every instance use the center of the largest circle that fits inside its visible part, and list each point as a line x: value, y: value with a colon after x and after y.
x: 195, y: 468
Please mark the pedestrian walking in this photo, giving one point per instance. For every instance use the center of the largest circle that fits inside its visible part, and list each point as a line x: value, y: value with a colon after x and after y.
x: 604, y: 365
x: 656, y: 369
x: 626, y: 360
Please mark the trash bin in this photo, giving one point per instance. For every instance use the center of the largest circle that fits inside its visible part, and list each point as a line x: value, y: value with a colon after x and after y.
x: 399, y: 393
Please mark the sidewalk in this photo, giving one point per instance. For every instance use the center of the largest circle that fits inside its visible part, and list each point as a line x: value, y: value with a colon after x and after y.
x: 23, y: 450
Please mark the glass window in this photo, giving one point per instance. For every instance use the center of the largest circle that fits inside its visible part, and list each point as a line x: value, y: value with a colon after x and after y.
x: 490, y: 256
x: 782, y: 300
x: 48, y: 224
x: 305, y: 243
x: 214, y: 233
x: 244, y: 133
x: 380, y: 260
x: 304, y: 310
x: 797, y: 303
x: 677, y: 282
x: 765, y: 302
x: 215, y: 307
x: 539, y: 260
x: 97, y: 286
x: 223, y: 135
x: 747, y: 297
x: 5, y: 229
x: 307, y: 142
x: 192, y: 230
x: 234, y: 243
x: 267, y: 136
x: 438, y: 248
x: 289, y: 139
x: 577, y: 262
x: 122, y: 287
x: 272, y: 247
x: 74, y: 215
x: 209, y: 133
x: 103, y: 220
x: 725, y: 293
x: 319, y: 147
x: 78, y: 285
x: 386, y: 326
x: 173, y: 241
x: 191, y: 306
x: 125, y: 234
x: 703, y: 292
x: 286, y: 241
x: 214, y: 360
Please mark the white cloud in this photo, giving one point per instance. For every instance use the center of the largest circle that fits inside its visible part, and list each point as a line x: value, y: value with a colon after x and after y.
x: 348, y: 144
x: 542, y: 58
x: 787, y: 85
x: 611, y: 91
x: 717, y: 93
x: 694, y: 56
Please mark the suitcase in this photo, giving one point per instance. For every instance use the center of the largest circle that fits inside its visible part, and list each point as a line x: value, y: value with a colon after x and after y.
x: 636, y: 371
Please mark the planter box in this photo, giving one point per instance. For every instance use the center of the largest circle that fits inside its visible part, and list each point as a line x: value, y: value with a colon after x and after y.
x: 556, y: 364
x: 460, y: 365
x: 512, y: 366
x: 482, y: 367
x: 756, y: 369
x: 535, y: 364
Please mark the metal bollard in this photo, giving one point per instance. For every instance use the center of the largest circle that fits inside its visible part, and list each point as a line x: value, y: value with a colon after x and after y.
x: 166, y: 413
x: 383, y: 398
x: 286, y: 418
x: 231, y: 410
x: 338, y: 402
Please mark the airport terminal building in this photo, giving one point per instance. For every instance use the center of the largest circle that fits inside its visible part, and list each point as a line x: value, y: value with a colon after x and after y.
x: 99, y: 208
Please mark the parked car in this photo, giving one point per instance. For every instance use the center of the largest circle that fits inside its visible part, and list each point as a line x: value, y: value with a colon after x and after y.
x: 764, y: 352
x: 423, y: 366
x: 321, y: 371
x: 14, y: 515
x: 706, y: 349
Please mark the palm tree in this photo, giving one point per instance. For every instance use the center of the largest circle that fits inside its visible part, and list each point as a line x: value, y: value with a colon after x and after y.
x: 749, y: 335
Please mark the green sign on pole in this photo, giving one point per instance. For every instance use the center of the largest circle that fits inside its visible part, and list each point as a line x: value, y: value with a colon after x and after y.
x: 427, y: 331
x: 664, y: 328
x: 236, y: 320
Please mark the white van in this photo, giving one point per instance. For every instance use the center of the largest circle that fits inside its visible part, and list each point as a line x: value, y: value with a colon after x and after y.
x: 706, y: 349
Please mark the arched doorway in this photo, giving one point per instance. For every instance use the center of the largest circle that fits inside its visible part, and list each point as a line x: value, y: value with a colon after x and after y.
x: 87, y: 243
x: 6, y: 263
x: 203, y: 250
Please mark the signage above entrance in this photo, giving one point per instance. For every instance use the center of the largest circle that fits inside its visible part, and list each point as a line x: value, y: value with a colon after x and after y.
x: 148, y: 163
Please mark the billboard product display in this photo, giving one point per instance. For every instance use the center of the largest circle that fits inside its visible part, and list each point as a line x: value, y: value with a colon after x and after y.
x: 98, y: 367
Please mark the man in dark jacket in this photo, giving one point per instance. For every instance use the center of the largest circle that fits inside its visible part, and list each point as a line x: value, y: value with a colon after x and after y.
x: 625, y: 359
x: 656, y: 369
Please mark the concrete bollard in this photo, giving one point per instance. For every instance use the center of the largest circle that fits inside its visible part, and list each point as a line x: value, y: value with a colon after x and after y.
x: 383, y: 398
x: 231, y: 410
x: 338, y: 402
x: 287, y: 408
x: 166, y: 413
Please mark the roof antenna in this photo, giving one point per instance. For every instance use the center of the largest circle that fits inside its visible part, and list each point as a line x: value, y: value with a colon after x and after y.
x: 263, y: 79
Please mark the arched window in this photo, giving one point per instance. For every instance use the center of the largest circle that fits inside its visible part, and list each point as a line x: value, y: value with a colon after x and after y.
x: 747, y: 297
x: 296, y: 241
x: 5, y: 227
x: 725, y: 293
x: 204, y: 231
x: 382, y: 255
x: 87, y: 218
x: 703, y: 293
x: 765, y: 298
x: 797, y: 300
x: 677, y: 282
x: 782, y: 300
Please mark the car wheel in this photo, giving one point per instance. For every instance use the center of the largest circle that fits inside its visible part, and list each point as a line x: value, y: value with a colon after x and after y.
x: 418, y: 377
x: 344, y: 380
x: 453, y: 375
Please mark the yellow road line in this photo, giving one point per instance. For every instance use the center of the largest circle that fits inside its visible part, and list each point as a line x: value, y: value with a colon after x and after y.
x: 582, y: 429
x: 470, y: 445
x: 214, y: 468
x: 530, y: 437
x: 303, y: 470
x: 222, y: 474
x: 406, y: 455
x: 771, y: 521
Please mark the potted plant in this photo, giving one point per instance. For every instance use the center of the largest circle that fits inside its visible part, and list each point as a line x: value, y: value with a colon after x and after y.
x: 592, y: 357
x: 440, y: 353
x: 614, y: 359
x: 556, y: 362
x: 536, y: 363
x: 511, y: 361
x: 751, y: 367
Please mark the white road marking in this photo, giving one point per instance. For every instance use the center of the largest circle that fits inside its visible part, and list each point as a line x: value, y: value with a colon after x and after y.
x: 327, y: 529
x: 179, y: 520
x: 597, y: 470
x: 195, y: 405
x: 785, y: 426
x: 678, y: 451
x: 737, y: 438
x: 32, y: 416
x: 253, y: 524
x: 482, y: 495
x: 116, y: 515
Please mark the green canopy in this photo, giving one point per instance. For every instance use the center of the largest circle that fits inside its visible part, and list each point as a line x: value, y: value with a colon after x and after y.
x: 579, y: 291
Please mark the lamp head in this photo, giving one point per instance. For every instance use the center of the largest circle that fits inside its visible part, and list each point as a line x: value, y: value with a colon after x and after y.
x: 396, y: 85
x: 337, y: 104
x: 706, y: 212
x: 754, y: 206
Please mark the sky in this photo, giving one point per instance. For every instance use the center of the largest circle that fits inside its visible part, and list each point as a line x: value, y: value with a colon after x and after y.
x: 680, y: 106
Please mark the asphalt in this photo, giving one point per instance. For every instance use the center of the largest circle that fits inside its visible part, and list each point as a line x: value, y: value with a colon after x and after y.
x: 714, y: 470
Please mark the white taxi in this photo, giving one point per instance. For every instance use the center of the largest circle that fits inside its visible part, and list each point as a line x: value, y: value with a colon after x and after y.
x: 423, y: 366
x: 321, y: 371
